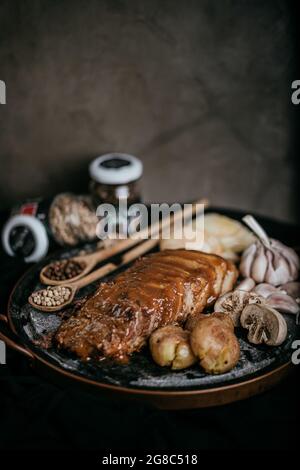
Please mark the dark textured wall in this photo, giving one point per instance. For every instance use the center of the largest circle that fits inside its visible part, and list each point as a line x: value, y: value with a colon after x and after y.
x: 198, y: 89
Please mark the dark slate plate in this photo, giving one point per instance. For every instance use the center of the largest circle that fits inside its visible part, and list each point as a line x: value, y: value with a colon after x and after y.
x: 142, y: 373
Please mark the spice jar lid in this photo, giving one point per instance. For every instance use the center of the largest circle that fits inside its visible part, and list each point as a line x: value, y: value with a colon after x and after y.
x: 25, y: 236
x: 116, y: 168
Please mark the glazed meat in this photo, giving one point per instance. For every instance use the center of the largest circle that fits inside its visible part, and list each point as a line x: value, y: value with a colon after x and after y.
x: 160, y: 289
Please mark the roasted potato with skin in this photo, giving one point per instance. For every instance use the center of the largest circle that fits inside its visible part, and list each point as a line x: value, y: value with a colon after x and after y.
x: 213, y: 341
x: 194, y: 319
x: 170, y: 346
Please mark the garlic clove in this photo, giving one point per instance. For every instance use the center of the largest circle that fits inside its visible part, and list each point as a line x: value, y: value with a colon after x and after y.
x: 278, y: 271
x: 247, y: 260
x: 259, y: 265
x: 294, y: 267
x: 246, y: 284
x: 283, y: 303
x: 292, y: 289
x: 287, y: 251
x: 265, y: 289
x: 278, y: 298
x: 281, y: 263
x: 290, y: 256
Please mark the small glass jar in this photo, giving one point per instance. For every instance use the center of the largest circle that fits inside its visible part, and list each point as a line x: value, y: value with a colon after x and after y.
x: 115, y: 177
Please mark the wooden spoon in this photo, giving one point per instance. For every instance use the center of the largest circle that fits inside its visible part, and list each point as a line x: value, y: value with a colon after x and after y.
x: 74, y: 287
x: 89, y: 261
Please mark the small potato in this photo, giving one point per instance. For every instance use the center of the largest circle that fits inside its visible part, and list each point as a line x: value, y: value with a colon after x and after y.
x: 170, y: 346
x: 226, y: 319
x: 223, y: 317
x: 193, y: 320
x: 215, y: 344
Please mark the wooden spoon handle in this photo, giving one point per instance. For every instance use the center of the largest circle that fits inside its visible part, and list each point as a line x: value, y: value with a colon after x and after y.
x: 111, y: 267
x: 107, y: 253
x: 154, y: 230
x: 94, y: 276
x: 138, y: 251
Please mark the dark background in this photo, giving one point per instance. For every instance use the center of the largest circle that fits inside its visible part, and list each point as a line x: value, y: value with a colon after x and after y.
x: 200, y: 90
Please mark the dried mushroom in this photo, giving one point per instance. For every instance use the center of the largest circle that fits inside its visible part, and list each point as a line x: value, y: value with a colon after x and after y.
x: 234, y: 302
x: 264, y: 325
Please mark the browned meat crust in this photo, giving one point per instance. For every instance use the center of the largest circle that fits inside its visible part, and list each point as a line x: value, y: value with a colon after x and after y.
x: 157, y: 290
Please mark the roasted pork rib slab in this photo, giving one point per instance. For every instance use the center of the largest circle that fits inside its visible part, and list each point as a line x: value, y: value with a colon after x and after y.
x: 160, y: 289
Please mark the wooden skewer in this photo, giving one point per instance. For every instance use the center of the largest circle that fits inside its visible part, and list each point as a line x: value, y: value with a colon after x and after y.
x: 89, y: 261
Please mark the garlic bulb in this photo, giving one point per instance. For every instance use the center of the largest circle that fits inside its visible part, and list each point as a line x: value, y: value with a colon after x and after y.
x: 268, y: 260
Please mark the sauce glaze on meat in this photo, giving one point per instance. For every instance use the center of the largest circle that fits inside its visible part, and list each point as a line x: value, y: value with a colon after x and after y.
x: 160, y: 289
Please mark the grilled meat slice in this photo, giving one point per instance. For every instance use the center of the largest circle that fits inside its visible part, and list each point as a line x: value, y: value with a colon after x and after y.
x: 157, y: 290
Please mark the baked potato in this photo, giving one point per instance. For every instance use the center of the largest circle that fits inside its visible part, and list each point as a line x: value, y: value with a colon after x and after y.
x: 170, y: 346
x: 214, y: 343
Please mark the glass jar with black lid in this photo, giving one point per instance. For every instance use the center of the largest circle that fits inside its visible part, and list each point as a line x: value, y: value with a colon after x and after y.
x: 115, y: 177
x: 115, y: 180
